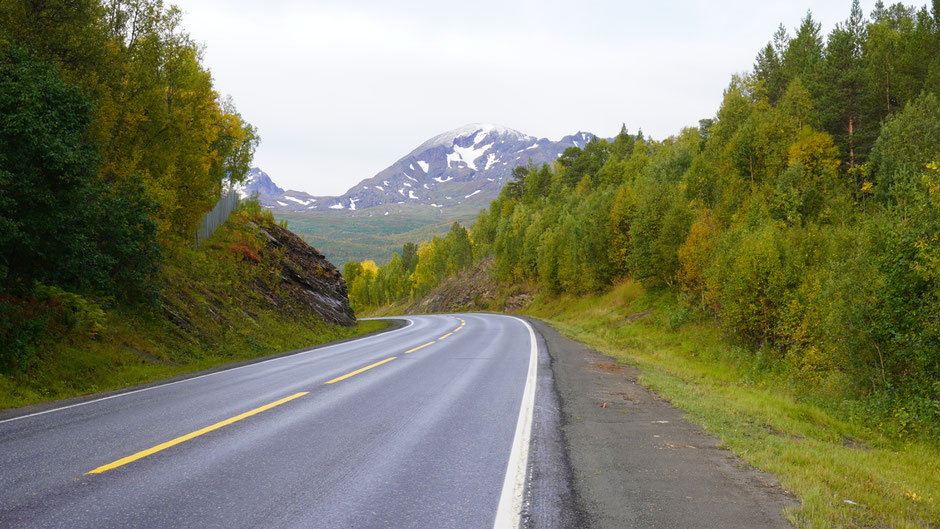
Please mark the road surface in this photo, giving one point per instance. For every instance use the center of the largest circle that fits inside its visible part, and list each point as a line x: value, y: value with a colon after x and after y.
x: 424, y: 426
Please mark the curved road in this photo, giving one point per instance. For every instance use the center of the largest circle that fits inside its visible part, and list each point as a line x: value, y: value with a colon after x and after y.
x: 424, y: 426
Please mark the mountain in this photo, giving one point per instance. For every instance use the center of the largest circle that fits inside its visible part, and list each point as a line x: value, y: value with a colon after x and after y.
x: 258, y: 181
x: 467, y: 166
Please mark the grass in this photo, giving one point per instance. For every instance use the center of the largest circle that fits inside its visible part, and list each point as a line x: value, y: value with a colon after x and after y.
x: 219, y: 304
x: 81, y: 366
x: 846, y: 474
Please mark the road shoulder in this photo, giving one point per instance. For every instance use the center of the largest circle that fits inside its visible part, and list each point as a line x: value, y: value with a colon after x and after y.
x: 638, y: 463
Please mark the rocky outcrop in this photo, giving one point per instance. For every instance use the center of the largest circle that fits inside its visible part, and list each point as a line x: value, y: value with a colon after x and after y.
x: 472, y: 289
x: 306, y: 276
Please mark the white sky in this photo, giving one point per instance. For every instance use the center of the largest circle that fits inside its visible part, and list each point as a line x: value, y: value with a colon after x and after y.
x: 339, y: 90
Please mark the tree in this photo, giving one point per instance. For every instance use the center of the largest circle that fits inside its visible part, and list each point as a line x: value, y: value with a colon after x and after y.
x: 768, y: 71
x: 695, y: 255
x: 623, y: 143
x: 804, y: 52
x: 659, y: 226
x: 59, y: 224
x: 882, y: 52
x: 156, y: 116
x: 409, y: 256
x: 842, y: 89
x: 516, y: 186
x: 618, y: 229
x: 908, y: 141
x: 459, y: 249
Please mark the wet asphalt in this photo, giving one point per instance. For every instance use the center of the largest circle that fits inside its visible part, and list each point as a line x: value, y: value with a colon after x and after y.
x: 419, y: 441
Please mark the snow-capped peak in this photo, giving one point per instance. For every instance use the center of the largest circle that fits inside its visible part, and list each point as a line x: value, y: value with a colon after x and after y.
x: 478, y: 131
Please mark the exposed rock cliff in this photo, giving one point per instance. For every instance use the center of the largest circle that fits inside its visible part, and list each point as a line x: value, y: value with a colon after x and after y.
x: 306, y: 276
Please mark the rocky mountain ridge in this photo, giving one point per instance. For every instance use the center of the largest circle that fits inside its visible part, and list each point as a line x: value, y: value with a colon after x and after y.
x: 465, y: 166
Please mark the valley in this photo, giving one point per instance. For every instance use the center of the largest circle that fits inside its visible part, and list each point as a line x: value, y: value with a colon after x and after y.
x: 370, y: 234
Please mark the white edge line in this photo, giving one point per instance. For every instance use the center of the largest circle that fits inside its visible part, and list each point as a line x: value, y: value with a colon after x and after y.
x: 310, y: 350
x: 510, y: 500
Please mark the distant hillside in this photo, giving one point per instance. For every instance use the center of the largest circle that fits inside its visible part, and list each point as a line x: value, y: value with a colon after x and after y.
x: 467, y: 166
x: 448, y: 177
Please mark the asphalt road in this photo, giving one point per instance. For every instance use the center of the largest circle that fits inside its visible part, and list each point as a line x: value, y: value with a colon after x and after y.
x: 434, y: 433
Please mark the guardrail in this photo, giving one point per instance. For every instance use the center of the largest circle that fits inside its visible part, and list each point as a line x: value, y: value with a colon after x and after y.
x: 215, y: 218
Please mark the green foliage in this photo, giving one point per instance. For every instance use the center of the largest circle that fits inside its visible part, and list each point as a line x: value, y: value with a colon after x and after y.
x: 60, y: 223
x: 908, y: 141
x: 221, y: 304
x: 83, y: 315
x: 417, y: 272
x: 25, y: 323
x: 660, y: 225
x: 155, y: 115
x: 763, y: 219
x: 113, y: 143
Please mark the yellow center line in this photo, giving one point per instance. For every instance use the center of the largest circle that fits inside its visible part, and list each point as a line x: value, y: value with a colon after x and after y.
x: 144, y: 453
x: 420, y: 347
x: 445, y: 336
x: 356, y: 372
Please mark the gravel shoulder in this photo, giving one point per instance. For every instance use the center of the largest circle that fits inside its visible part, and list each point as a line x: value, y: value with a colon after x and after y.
x: 638, y: 463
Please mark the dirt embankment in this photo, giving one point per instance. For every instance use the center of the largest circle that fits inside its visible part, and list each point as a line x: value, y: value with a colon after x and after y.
x: 253, y: 267
x: 473, y: 289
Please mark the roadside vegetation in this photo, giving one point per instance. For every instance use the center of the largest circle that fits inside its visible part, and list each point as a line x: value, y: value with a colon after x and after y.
x: 805, y: 225
x: 789, y: 249
x: 219, y: 304
x: 847, y: 469
x: 113, y: 145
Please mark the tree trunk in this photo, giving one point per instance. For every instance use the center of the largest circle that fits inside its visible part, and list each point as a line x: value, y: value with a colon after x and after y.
x: 888, y: 89
x: 851, y: 143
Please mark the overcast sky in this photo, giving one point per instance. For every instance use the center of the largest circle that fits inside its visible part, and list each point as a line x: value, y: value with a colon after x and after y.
x: 339, y: 90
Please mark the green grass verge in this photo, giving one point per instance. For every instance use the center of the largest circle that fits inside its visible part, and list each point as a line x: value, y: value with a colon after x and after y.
x: 83, y: 366
x: 845, y: 473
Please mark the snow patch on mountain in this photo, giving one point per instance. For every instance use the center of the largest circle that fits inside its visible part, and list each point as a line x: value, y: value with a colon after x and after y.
x: 477, y: 159
x: 468, y: 155
x: 297, y: 200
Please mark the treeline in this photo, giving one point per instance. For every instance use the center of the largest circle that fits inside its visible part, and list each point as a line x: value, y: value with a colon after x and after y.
x: 805, y: 217
x: 113, y: 144
x: 414, y: 273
